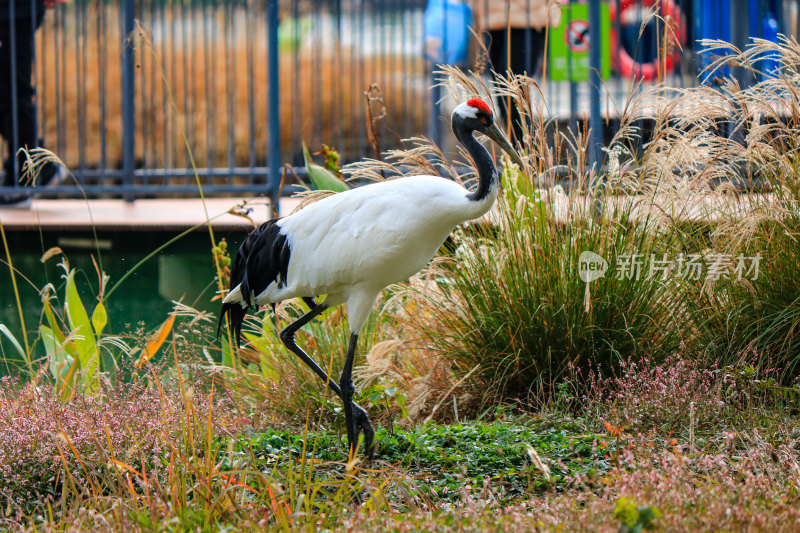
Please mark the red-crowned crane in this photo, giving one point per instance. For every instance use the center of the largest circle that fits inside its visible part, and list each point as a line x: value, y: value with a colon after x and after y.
x: 351, y: 245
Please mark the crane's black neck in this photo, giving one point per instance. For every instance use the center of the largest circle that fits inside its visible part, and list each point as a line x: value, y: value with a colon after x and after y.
x: 487, y: 173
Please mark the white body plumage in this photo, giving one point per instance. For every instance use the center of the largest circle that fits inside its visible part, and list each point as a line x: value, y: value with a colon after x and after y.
x: 351, y: 245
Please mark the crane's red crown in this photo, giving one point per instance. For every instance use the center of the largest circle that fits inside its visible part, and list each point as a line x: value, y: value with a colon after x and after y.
x: 480, y: 104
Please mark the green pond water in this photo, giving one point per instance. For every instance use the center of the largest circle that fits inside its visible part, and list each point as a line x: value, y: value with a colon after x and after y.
x: 182, y: 271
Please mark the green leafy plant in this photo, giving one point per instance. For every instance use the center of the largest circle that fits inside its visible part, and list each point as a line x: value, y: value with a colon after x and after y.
x: 635, y: 518
x: 72, y: 340
x: 332, y: 158
x: 222, y: 257
x: 321, y: 177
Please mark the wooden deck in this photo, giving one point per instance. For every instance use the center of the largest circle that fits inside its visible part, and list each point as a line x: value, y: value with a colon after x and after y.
x: 182, y: 214
x: 162, y: 214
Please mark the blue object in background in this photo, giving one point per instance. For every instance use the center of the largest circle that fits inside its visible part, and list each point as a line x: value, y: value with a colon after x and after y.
x: 712, y: 22
x: 738, y: 22
x: 446, y: 31
x: 770, y: 62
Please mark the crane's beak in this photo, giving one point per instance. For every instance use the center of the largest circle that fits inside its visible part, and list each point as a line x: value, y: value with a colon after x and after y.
x: 497, y: 135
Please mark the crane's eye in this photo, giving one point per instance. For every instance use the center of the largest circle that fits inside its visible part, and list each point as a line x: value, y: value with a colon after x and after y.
x: 485, y: 120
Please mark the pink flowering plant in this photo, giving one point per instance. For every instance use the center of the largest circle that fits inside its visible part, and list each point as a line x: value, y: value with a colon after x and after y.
x: 47, y: 446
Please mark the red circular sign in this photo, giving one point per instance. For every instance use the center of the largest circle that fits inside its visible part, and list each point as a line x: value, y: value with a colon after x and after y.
x: 577, y: 36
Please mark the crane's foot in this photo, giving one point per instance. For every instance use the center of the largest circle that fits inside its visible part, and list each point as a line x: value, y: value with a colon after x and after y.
x: 361, y: 424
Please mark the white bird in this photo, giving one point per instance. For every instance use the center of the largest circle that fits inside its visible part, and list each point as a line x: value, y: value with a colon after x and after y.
x: 351, y: 245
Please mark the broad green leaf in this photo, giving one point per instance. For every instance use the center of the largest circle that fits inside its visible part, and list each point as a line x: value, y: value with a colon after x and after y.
x: 58, y: 335
x: 263, y: 346
x: 227, y: 358
x: 51, y: 319
x: 79, y: 323
x: 60, y: 360
x: 50, y: 347
x: 81, y: 331
x: 322, y: 178
x: 99, y: 318
x: 67, y: 385
x: 7, y: 332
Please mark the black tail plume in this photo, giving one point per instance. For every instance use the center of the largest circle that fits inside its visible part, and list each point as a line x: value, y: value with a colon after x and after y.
x: 263, y: 258
x: 234, y: 310
x: 236, y: 314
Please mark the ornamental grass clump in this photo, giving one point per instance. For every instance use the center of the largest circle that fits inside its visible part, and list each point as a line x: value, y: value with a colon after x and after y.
x: 680, y: 253
x: 733, y: 309
x: 552, y: 278
x: 514, y: 303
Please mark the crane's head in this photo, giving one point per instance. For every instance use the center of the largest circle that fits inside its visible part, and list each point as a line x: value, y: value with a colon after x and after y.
x: 476, y: 115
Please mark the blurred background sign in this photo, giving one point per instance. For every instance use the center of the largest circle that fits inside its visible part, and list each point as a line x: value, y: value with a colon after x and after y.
x: 569, y: 44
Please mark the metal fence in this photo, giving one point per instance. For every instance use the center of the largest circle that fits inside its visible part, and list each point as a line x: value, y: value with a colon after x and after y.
x: 133, y: 95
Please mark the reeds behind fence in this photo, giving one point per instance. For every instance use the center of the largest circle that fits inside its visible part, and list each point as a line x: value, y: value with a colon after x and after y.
x: 207, y: 76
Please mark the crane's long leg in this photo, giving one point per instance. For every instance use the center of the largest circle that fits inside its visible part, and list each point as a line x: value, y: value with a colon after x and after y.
x: 356, y: 418
x: 287, y: 338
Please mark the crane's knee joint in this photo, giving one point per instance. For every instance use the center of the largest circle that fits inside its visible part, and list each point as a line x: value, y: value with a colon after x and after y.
x: 287, y: 336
